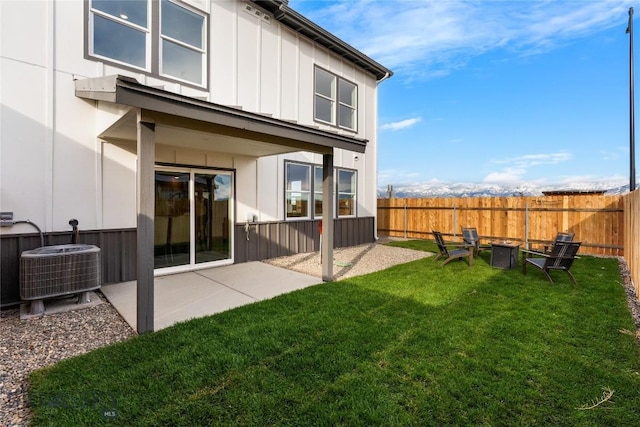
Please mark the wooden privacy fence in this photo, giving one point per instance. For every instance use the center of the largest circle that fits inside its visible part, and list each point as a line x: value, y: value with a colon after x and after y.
x: 631, y: 203
x: 596, y: 220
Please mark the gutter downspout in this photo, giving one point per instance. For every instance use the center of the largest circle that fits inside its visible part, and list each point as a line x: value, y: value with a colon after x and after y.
x: 375, y: 160
x: 386, y: 76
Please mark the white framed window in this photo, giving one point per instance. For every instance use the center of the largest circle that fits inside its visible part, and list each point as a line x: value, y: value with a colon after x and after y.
x: 317, y: 191
x: 298, y: 190
x: 335, y: 100
x: 347, y: 181
x: 163, y: 38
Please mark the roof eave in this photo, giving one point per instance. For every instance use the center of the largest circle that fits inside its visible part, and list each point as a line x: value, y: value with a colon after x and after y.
x: 292, y: 19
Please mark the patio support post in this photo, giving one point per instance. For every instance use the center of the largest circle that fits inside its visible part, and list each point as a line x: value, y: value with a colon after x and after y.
x: 145, y: 205
x: 327, y: 217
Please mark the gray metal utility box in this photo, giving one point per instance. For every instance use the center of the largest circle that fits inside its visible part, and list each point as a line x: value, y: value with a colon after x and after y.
x: 58, y: 270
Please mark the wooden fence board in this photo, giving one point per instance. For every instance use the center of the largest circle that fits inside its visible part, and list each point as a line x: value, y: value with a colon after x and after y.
x: 631, y: 203
x: 597, y: 221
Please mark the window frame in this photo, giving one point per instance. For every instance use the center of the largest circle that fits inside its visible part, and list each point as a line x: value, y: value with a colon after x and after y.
x: 353, y: 193
x: 162, y: 37
x: 153, y: 42
x: 335, y: 100
x: 316, y: 191
x: 315, y: 188
x: 309, y: 192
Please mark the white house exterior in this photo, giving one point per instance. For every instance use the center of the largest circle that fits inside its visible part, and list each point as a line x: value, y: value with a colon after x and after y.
x: 214, y: 119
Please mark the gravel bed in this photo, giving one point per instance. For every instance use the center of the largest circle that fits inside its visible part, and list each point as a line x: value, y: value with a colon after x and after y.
x: 35, y: 343
x: 349, y: 262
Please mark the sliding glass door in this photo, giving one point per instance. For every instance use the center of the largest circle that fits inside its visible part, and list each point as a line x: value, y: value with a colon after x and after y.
x: 193, y: 218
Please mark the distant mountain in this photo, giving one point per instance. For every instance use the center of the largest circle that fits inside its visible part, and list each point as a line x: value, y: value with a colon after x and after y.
x: 445, y: 189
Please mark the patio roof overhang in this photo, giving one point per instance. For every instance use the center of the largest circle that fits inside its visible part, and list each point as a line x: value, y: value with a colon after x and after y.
x: 192, y: 123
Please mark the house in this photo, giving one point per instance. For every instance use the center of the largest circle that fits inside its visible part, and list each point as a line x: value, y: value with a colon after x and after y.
x: 181, y: 134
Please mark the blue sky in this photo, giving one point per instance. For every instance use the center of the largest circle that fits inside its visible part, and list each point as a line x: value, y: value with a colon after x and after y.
x: 495, y: 92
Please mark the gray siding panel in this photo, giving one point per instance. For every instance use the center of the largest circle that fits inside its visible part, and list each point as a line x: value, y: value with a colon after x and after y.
x: 274, y: 239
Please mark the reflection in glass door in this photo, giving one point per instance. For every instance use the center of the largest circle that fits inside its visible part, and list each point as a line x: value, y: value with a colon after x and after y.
x: 193, y: 218
x: 172, y: 221
x: 212, y: 217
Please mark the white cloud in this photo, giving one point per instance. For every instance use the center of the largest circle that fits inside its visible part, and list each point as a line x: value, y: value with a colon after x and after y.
x: 507, y: 176
x: 403, y: 124
x: 574, y: 181
x: 529, y: 160
x: 388, y: 176
x: 518, y: 166
x: 615, y: 153
x: 419, y: 39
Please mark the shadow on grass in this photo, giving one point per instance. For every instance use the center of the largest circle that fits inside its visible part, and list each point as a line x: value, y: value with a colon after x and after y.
x: 416, y: 344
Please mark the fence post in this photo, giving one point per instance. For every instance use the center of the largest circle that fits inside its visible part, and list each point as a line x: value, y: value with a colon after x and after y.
x: 455, y: 221
x: 405, y: 218
x: 526, y: 225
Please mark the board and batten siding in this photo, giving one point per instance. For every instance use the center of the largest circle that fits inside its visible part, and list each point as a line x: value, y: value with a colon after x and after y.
x: 54, y: 167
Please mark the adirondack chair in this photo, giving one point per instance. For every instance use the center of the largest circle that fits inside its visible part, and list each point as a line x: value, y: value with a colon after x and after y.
x: 470, y: 238
x: 560, y: 257
x: 457, y: 251
x: 560, y: 237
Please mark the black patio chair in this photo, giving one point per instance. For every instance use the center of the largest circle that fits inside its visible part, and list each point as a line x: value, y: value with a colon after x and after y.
x: 457, y: 251
x: 470, y: 238
x: 560, y: 257
x: 560, y: 237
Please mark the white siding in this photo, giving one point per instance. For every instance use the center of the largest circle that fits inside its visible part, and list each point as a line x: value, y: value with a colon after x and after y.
x: 53, y: 165
x: 23, y: 138
x: 248, y: 58
x: 270, y: 188
x: 223, y: 59
x: 119, y: 195
x: 76, y: 156
x: 246, y: 188
x: 289, y: 77
x: 24, y: 35
x: 269, y: 69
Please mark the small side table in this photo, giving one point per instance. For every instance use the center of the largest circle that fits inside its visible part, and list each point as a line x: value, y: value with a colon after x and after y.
x: 504, y: 254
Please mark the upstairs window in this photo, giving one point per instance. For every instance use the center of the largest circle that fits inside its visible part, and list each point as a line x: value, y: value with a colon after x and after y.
x: 182, y: 33
x: 346, y: 105
x: 335, y: 100
x: 123, y: 32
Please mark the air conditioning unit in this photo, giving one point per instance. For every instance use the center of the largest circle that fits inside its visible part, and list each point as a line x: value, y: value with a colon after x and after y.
x: 53, y: 271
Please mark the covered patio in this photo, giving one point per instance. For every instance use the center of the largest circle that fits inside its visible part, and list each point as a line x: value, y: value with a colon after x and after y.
x: 157, y: 116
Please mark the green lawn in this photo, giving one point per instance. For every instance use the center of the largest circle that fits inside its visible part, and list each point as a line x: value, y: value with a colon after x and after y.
x: 416, y: 344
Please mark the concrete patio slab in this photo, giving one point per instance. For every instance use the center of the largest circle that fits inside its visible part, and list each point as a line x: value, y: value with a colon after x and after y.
x: 183, y: 296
